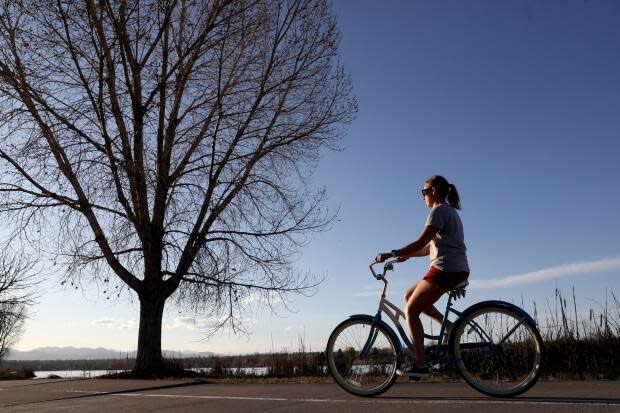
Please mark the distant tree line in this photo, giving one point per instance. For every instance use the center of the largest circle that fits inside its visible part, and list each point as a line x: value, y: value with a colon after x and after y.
x: 278, y: 364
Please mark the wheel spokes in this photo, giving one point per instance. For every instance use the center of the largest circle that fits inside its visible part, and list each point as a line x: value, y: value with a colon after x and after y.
x: 497, y: 351
x: 364, y: 357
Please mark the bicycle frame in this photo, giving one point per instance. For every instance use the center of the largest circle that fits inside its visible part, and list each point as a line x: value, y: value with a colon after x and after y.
x: 394, y: 313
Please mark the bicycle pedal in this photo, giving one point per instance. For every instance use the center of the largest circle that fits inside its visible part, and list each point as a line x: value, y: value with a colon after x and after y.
x: 441, y: 366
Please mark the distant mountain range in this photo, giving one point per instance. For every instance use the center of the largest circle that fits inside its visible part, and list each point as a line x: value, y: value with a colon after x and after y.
x: 82, y: 353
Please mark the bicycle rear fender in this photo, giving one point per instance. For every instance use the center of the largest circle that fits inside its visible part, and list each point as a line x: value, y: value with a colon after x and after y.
x: 389, y: 330
x: 492, y: 303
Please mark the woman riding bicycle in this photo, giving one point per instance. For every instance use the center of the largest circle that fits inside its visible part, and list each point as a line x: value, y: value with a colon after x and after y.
x: 443, y: 240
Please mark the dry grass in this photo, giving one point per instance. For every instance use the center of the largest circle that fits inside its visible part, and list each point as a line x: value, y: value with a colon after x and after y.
x: 20, y: 374
x: 578, y: 346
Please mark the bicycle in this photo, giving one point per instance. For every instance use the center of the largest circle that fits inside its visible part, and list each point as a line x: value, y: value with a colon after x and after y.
x: 494, y: 345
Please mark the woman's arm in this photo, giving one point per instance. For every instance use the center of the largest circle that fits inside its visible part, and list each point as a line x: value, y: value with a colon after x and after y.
x: 423, y: 252
x: 419, y: 247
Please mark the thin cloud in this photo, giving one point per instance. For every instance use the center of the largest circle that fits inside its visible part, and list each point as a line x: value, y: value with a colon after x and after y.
x: 297, y: 328
x: 113, y: 323
x: 560, y: 271
x: 193, y: 323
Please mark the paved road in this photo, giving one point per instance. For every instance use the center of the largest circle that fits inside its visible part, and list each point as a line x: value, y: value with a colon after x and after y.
x: 92, y: 395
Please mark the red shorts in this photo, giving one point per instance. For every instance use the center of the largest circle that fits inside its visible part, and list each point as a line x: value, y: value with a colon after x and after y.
x: 446, y: 280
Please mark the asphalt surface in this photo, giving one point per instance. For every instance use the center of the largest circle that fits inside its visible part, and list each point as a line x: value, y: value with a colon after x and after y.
x: 98, y: 395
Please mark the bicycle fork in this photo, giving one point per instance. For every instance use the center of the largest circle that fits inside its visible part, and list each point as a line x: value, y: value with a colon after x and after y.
x: 372, y: 336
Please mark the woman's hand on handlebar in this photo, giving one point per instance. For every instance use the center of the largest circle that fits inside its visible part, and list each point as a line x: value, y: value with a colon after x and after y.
x: 387, y: 255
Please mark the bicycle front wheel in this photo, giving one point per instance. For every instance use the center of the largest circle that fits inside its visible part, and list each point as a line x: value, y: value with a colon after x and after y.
x: 362, y: 358
x: 497, y: 350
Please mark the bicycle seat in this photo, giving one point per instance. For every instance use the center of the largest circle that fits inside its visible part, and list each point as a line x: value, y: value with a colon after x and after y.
x: 459, y: 290
x: 460, y: 285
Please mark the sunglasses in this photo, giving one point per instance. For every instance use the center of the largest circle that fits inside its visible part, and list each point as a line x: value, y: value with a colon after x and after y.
x: 426, y: 191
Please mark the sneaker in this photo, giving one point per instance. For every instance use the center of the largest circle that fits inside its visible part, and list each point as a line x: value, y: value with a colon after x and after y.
x: 414, y: 371
x: 354, y: 382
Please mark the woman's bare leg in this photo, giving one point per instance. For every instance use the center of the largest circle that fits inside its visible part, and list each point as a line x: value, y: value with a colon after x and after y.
x: 423, y: 297
x: 431, y: 311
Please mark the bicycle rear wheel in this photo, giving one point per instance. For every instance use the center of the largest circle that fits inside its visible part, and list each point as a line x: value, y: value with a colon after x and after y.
x: 497, y: 350
x: 362, y: 358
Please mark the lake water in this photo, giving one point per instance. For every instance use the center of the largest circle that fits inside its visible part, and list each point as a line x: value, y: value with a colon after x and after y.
x: 66, y: 374
x: 252, y: 371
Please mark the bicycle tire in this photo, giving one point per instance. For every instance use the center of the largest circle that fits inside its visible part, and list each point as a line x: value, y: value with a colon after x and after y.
x: 509, y: 366
x: 366, y: 376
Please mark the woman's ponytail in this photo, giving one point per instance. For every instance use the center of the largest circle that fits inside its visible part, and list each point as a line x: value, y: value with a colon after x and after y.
x: 445, y: 190
x: 453, y: 197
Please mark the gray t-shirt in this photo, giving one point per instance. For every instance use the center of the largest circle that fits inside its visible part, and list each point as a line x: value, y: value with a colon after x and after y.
x: 447, y: 248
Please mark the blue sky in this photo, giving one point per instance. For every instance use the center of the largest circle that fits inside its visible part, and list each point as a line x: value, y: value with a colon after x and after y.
x: 516, y: 103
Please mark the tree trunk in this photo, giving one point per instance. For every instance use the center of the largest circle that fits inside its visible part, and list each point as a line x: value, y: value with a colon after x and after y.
x: 149, y: 362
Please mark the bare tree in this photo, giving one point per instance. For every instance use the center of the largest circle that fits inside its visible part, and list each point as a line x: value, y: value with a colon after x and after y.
x: 17, y: 280
x: 165, y: 145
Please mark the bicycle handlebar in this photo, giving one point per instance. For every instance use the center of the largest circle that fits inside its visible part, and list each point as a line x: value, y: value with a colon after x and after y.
x: 388, y: 266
